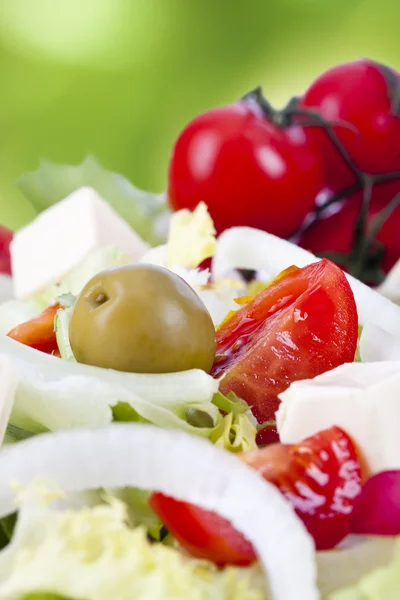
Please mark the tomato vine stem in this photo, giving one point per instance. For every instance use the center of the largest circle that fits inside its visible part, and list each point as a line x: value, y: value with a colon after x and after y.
x: 365, y: 257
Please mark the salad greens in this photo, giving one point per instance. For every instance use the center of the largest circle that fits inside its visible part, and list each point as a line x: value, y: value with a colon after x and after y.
x: 73, y: 282
x: 105, y: 543
x: 53, y: 182
x: 61, y: 326
x: 107, y: 559
x: 191, y: 237
x: 380, y: 583
x: 56, y: 394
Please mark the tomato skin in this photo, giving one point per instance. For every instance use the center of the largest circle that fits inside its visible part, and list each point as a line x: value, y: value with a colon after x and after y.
x: 267, y: 435
x: 246, y: 169
x: 357, y: 93
x: 203, y: 533
x: 333, y: 232
x: 38, y: 333
x: 6, y: 236
x: 300, y: 326
x: 320, y: 477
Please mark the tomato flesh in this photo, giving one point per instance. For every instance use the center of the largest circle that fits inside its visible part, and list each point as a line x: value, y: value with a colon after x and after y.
x: 38, y: 332
x: 301, y: 326
x: 320, y: 477
x: 203, y: 533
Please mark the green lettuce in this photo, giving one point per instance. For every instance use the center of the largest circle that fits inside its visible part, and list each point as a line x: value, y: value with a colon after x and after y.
x: 138, y: 511
x: 92, y: 554
x: 16, y: 434
x: 238, y: 434
x: 357, y: 357
x: 53, y: 182
x: 98, y: 260
x: 382, y: 583
x: 61, y: 326
x: 45, y: 596
x: 57, y: 394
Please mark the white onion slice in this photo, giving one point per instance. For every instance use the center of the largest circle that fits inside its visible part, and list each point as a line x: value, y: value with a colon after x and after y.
x: 171, y: 387
x: 377, y: 344
x: 182, y: 466
x: 247, y: 248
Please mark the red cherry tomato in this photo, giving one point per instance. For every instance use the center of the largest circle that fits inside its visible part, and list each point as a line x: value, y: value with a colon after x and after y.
x: 320, y: 477
x: 364, y: 95
x: 39, y: 332
x: 6, y: 236
x: 333, y: 232
x: 300, y: 326
x: 248, y: 170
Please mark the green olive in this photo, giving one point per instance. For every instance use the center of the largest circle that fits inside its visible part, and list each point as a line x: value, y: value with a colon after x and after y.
x: 144, y: 319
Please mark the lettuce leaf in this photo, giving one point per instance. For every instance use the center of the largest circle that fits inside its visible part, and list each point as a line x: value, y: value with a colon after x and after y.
x: 92, y: 554
x: 382, y: 582
x: 238, y: 434
x: 138, y: 511
x: 45, y: 596
x: 73, y: 282
x: 61, y: 326
x: 57, y: 394
x: 191, y: 238
x: 52, y: 182
x: 16, y: 434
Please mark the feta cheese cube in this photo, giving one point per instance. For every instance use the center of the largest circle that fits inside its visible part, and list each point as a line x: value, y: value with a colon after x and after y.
x: 361, y: 398
x: 60, y: 238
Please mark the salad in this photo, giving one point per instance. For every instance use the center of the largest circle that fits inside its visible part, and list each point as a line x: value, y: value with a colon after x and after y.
x: 191, y: 409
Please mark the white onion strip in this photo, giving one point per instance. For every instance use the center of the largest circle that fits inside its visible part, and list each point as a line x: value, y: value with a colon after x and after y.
x: 179, y: 465
x: 247, y: 248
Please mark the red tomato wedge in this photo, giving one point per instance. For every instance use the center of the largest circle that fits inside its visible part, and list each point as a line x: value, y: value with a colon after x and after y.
x: 303, y: 324
x: 38, y: 332
x: 203, y: 533
x: 320, y: 477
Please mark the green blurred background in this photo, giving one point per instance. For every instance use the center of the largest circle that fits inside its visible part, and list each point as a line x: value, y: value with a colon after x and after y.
x: 119, y: 78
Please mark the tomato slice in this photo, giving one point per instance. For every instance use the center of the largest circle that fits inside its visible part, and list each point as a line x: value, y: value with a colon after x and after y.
x: 303, y: 324
x: 320, y: 477
x: 38, y: 332
x: 203, y: 533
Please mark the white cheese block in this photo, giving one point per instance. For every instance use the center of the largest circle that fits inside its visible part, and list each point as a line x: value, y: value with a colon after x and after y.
x: 361, y: 398
x: 59, y: 238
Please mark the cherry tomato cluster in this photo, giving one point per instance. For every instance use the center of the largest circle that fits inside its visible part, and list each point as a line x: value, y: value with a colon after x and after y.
x: 324, y: 171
